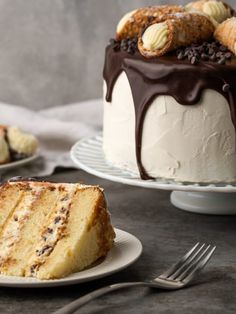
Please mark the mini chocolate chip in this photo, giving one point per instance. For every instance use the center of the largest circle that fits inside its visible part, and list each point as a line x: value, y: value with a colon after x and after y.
x: 46, y: 248
x: 185, y: 53
x: 116, y: 47
x: 204, y: 56
x: 219, y: 54
x: 228, y: 55
x: 62, y: 210
x: 44, y: 238
x: 112, y: 41
x: 33, y: 268
x: 65, y: 198
x: 222, y: 61
x: 180, y: 55
x: 130, y: 50
x: 151, y: 18
x: 226, y: 88
x: 213, y: 57
x: 194, y: 60
x: 223, y: 48
x: 211, y: 51
x: 49, y: 230
x: 57, y: 219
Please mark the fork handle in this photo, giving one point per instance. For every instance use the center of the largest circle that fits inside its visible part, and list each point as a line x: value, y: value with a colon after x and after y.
x: 73, y: 306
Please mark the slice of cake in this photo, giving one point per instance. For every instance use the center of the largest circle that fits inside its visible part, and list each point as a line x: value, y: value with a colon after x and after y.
x: 49, y: 230
x: 169, y: 93
x: 15, y: 144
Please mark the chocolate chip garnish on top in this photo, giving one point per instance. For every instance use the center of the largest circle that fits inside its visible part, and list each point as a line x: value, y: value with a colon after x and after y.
x: 207, y: 51
x: 128, y: 44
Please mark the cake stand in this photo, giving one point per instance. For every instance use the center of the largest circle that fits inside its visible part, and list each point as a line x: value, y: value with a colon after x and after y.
x: 216, y: 199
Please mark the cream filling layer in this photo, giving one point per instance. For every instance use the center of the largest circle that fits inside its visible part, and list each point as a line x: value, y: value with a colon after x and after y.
x: 11, y: 234
x: 54, y: 230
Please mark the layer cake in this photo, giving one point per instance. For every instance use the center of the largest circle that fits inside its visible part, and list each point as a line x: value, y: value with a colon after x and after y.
x: 49, y: 230
x: 169, y: 99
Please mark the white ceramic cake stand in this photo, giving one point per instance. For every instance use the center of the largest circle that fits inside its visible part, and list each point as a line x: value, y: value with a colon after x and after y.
x: 217, y: 199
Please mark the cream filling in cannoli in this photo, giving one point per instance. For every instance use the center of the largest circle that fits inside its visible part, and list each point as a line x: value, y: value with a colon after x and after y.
x: 21, y: 142
x: 4, y: 151
x: 217, y: 10
x: 155, y: 36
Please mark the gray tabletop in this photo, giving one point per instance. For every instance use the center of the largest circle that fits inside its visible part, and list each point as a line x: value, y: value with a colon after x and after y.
x: 166, y: 233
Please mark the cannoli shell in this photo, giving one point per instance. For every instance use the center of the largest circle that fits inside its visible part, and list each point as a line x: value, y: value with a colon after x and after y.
x: 184, y: 29
x: 198, y: 5
x: 143, y: 17
x: 225, y: 33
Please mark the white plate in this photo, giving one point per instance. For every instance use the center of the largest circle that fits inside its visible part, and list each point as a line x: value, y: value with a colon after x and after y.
x: 88, y: 155
x: 18, y: 163
x: 126, y: 250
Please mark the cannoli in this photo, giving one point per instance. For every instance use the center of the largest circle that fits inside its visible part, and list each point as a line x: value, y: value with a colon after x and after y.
x: 226, y: 34
x: 181, y: 29
x: 4, y: 150
x: 217, y: 10
x: 133, y: 23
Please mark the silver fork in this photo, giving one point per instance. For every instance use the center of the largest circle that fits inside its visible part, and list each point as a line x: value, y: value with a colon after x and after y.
x: 177, y: 276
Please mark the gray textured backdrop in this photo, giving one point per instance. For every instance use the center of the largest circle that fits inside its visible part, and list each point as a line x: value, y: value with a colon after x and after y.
x: 51, y: 51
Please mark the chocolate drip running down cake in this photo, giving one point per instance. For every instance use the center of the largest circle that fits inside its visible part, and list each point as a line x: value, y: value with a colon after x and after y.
x: 49, y: 230
x: 169, y: 94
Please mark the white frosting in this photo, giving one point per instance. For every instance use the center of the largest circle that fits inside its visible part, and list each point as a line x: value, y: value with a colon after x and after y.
x: 185, y: 143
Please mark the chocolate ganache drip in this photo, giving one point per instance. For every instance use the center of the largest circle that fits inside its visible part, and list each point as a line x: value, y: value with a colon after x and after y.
x: 149, y: 78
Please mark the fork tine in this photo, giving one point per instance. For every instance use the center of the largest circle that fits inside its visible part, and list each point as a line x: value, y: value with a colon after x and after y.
x: 197, y: 264
x: 188, y: 262
x: 174, y: 267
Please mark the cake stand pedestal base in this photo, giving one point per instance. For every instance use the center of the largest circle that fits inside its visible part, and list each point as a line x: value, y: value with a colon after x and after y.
x: 213, y: 203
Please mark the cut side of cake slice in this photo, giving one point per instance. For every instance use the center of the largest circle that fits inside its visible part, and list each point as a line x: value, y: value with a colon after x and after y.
x: 49, y: 230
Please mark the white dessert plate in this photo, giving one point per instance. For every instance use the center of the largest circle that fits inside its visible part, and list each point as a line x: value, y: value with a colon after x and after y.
x: 18, y: 163
x: 218, y: 198
x: 126, y: 250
